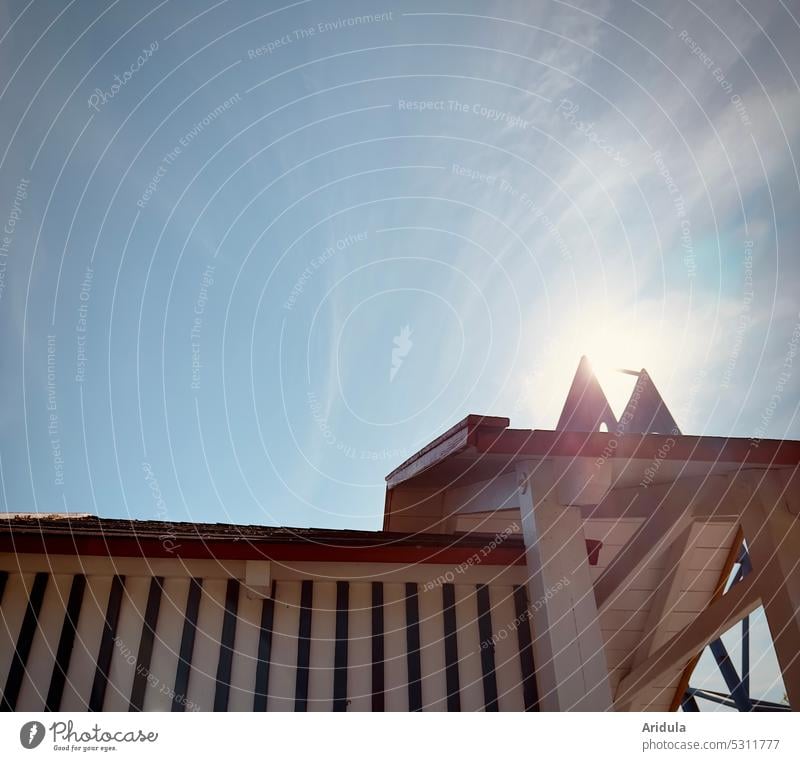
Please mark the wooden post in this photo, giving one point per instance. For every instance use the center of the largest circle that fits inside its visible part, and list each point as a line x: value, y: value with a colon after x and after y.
x: 569, y: 650
x: 773, y: 538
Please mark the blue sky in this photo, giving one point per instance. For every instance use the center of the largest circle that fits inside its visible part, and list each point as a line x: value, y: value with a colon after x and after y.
x: 289, y: 246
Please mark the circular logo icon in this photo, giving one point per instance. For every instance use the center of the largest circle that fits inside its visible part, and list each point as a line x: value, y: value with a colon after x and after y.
x: 31, y: 734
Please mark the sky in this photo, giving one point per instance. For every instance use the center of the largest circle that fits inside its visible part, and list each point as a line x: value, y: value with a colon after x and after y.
x: 255, y: 257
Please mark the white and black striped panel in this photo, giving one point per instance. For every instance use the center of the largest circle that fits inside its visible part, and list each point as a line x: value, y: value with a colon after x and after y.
x: 205, y: 658
x: 431, y: 624
x: 470, y: 671
x: 359, y: 651
x: 166, y: 646
x: 12, y: 611
x: 395, y: 648
x: 506, y: 654
x: 245, y: 658
x: 83, y: 661
x: 331, y: 645
x: 42, y: 657
x: 283, y: 669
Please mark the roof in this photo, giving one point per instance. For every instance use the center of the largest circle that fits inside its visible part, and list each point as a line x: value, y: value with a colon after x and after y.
x: 73, y: 534
x: 485, y: 446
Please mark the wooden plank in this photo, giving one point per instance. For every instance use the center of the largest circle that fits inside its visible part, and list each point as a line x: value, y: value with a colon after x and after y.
x: 378, y: 649
x: 264, y: 652
x: 395, y: 648
x: 245, y: 651
x: 323, y: 647
x: 469, y: 649
x: 359, y: 651
x: 189, y: 635
x: 506, y: 655
x: 106, y: 651
x: 412, y: 648
x: 227, y: 638
x: 432, y: 655
x: 41, y: 660
x: 202, y: 681
x: 65, y: 643
x: 22, y: 647
x: 303, y: 646
x: 451, y: 647
x: 282, y: 675
x: 341, y: 647
x: 146, y: 641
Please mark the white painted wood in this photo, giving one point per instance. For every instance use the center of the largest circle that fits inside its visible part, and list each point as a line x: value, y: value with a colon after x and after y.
x: 83, y: 663
x: 245, y: 654
x: 359, y: 651
x: 42, y: 656
x: 470, y: 674
x: 126, y: 647
x: 569, y: 647
x: 395, y: 647
x: 323, y: 644
x: 166, y: 646
x: 283, y: 670
x: 12, y: 611
x: 203, y: 675
x: 506, y: 653
x: 431, y: 627
x: 498, y: 493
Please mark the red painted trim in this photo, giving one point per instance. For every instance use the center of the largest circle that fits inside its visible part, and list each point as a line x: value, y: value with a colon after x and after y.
x: 196, y: 549
x: 242, y: 550
x: 643, y: 446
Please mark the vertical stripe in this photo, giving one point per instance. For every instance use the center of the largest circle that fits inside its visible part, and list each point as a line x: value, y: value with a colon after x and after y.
x: 340, y: 650
x: 187, y: 645
x: 412, y: 648
x: 378, y: 703
x: 529, y: 688
x: 17, y: 671
x: 264, y: 651
x: 226, y: 646
x: 100, y: 683
x: 451, y: 647
x: 303, y: 647
x: 3, y: 580
x: 146, y: 643
x: 65, y: 643
x: 487, y: 648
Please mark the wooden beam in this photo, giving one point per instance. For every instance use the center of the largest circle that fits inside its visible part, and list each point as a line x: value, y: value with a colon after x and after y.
x: 710, y: 499
x: 773, y: 542
x: 667, y: 594
x: 719, y: 590
x: 651, y: 540
x: 740, y: 601
x: 571, y: 669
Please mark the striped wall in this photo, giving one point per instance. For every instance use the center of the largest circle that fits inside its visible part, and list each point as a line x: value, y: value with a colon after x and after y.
x: 172, y: 636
